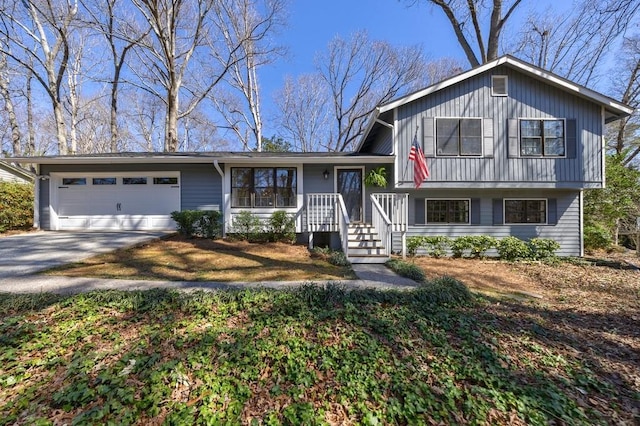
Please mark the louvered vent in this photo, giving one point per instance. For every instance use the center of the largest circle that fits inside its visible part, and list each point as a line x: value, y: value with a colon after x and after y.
x: 499, y: 86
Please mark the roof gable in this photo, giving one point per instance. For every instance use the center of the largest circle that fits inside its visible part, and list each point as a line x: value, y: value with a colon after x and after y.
x: 614, y: 109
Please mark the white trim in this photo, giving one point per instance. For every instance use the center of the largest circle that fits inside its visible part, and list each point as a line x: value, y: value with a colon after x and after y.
x: 506, y: 85
x: 394, y: 144
x: 435, y: 137
x: 239, y: 159
x: 36, y: 203
x: 613, y: 105
x: 542, y: 156
x: 426, y: 212
x: 604, y: 149
x: 581, y: 224
x: 335, y: 185
x: 546, y: 211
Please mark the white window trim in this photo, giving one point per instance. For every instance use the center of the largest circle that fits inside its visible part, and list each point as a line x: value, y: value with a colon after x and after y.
x: 564, y: 126
x: 435, y: 136
x: 546, y: 211
x: 426, y: 212
x: 506, y: 85
x: 258, y: 210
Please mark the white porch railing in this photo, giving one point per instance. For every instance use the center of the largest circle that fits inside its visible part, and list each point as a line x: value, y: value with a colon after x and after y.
x: 396, y: 207
x: 381, y: 224
x: 328, y: 213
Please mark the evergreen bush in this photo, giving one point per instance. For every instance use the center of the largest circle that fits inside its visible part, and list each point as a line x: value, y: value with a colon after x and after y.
x: 16, y: 206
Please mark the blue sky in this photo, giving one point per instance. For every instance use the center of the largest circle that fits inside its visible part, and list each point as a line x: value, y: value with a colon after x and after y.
x: 312, y: 24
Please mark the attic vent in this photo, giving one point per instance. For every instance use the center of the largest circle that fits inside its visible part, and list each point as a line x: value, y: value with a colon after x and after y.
x: 499, y: 85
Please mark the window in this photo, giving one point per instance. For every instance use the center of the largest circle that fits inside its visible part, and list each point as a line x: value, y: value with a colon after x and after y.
x: 542, y: 138
x: 165, y: 180
x: 459, y: 136
x: 525, y: 211
x: 104, y: 181
x: 263, y: 187
x: 134, y: 181
x: 499, y: 85
x: 74, y: 181
x: 448, y: 211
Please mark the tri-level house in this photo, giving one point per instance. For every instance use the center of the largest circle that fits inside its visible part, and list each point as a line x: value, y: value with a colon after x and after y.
x: 510, y: 149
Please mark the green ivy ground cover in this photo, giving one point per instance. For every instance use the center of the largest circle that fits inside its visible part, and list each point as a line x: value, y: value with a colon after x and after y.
x: 304, y: 356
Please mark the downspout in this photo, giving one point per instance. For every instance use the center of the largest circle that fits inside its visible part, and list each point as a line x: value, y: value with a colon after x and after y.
x: 36, y: 198
x: 222, y: 207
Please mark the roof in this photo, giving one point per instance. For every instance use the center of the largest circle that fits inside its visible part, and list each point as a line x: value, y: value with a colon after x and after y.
x: 208, y: 157
x: 615, y: 109
x: 17, y: 171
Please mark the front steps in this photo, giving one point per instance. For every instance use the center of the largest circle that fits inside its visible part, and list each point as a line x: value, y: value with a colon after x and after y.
x: 365, y: 245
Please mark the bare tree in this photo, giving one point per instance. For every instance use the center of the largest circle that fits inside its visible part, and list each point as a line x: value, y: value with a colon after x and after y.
x: 246, y: 37
x: 360, y: 74
x: 37, y: 35
x: 113, y: 21
x: 625, y: 133
x: 466, y: 19
x: 574, y: 46
x: 303, y: 113
x: 16, y: 137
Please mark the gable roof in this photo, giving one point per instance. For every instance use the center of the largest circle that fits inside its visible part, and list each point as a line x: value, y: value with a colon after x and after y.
x: 18, y: 172
x: 614, y: 110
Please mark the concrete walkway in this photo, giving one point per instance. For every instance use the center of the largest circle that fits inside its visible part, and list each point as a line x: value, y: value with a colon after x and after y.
x: 370, y: 276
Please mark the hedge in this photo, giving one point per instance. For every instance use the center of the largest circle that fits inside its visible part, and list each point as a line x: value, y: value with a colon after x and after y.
x: 16, y: 206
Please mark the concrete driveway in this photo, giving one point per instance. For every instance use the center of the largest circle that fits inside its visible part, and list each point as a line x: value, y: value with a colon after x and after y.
x: 28, y: 253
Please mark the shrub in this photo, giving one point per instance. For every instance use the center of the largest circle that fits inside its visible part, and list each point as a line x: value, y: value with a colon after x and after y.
x: 282, y: 227
x: 413, y: 244
x: 435, y: 246
x: 444, y: 290
x: 472, y: 245
x: 338, y: 258
x: 597, y: 237
x: 16, y: 206
x: 198, y: 223
x: 543, y: 248
x: 406, y: 269
x: 512, y: 248
x: 247, y: 225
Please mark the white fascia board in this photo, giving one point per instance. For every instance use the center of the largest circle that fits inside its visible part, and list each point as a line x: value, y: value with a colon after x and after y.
x: 208, y: 160
x: 611, y: 104
x: 372, y: 121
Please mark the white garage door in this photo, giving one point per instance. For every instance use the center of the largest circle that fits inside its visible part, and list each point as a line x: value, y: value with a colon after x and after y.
x: 117, y: 201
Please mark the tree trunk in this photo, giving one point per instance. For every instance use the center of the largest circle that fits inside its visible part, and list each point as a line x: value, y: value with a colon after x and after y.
x: 171, y: 128
x: 114, y: 116
x: 61, y: 129
x: 8, y: 106
x: 31, y: 144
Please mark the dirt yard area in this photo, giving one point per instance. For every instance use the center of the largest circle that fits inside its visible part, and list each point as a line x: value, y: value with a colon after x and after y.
x: 587, y: 308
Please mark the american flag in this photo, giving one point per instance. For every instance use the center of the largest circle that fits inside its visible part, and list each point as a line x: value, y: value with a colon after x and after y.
x: 420, y: 170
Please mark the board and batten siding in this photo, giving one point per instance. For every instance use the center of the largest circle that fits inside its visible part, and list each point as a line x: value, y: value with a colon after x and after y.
x: 566, y: 230
x: 200, y: 186
x: 527, y: 98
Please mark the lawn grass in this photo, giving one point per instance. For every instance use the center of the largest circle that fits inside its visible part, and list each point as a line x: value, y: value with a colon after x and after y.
x: 197, y: 259
x: 311, y: 355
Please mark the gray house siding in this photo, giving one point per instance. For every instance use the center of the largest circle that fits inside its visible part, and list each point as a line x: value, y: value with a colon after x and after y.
x: 201, y: 187
x: 527, y: 98
x: 566, y: 215
x: 383, y: 143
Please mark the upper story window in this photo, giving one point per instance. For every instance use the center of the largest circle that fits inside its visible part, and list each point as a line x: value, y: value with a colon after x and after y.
x: 542, y: 138
x: 525, y: 211
x: 499, y: 85
x: 459, y: 136
x: 448, y: 211
x: 263, y: 187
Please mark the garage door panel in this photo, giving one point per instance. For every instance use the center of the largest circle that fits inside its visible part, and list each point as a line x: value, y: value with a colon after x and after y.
x: 119, y: 206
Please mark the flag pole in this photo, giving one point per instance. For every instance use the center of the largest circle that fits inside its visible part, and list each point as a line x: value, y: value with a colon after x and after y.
x: 404, y: 175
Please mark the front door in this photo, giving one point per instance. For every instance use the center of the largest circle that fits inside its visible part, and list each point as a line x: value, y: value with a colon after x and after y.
x: 349, y: 184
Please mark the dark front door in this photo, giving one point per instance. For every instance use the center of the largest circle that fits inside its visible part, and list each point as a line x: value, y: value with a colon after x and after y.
x: 349, y: 183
